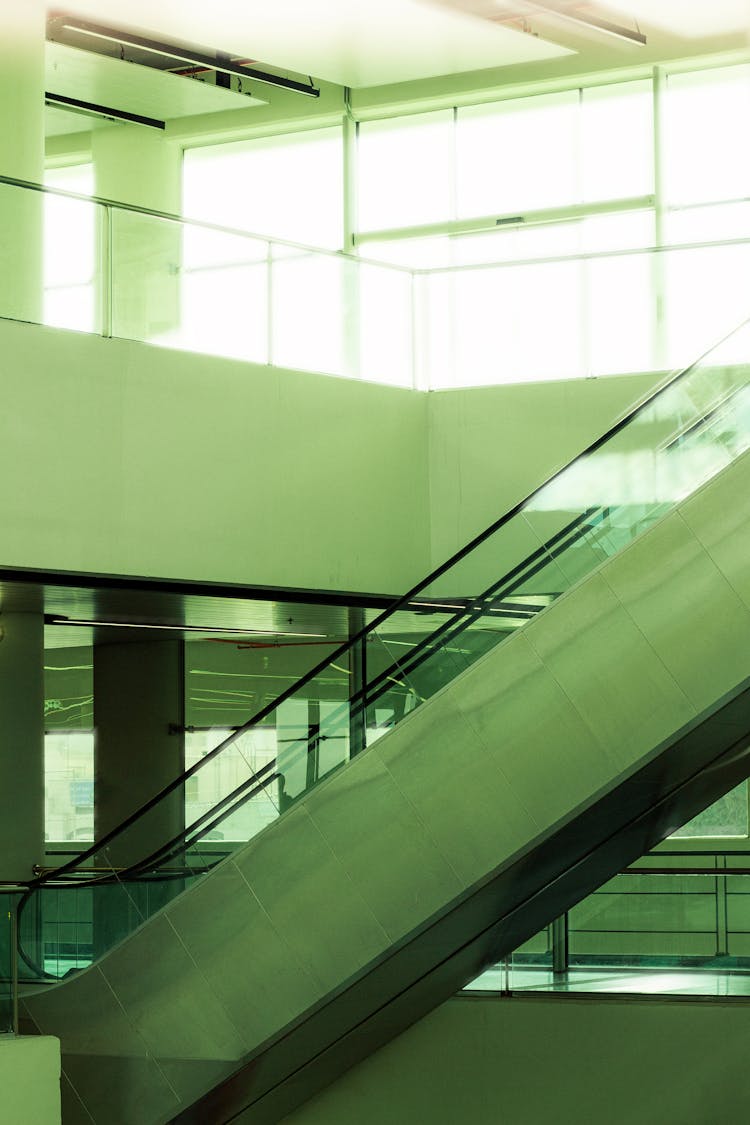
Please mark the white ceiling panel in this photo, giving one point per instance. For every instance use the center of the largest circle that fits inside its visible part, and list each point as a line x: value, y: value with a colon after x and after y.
x: 351, y: 42
x: 137, y: 89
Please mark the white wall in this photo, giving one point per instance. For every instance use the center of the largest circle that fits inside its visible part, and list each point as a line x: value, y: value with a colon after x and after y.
x: 489, y: 447
x: 530, y: 1060
x: 117, y: 457
x: 30, y: 1080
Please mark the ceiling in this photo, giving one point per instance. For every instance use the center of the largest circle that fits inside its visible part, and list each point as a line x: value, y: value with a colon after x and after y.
x: 361, y: 43
x: 349, y: 42
x: 118, y: 611
x: 355, y: 43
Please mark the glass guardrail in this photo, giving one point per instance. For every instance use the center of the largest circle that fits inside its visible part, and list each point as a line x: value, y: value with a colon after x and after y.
x: 101, y: 267
x: 656, y: 456
x: 610, y: 313
x: 675, y: 923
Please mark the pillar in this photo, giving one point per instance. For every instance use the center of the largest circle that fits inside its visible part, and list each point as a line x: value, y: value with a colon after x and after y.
x: 138, y: 703
x: 21, y: 157
x: 137, y: 165
x: 21, y: 744
x: 138, y: 718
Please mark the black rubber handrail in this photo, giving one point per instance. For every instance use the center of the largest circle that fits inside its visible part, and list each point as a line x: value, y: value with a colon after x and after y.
x: 400, y: 604
x: 260, y: 779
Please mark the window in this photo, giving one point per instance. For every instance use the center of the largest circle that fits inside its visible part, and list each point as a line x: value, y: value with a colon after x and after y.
x: 70, y: 250
x: 726, y: 817
x: 706, y: 157
x: 405, y: 171
x: 288, y: 186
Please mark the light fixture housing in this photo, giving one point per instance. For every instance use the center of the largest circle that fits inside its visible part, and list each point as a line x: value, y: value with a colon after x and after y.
x: 59, y: 619
x: 219, y: 61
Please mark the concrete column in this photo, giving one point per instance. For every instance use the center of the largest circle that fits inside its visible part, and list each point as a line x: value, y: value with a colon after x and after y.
x: 136, y: 165
x: 21, y: 744
x: 138, y: 695
x: 21, y: 157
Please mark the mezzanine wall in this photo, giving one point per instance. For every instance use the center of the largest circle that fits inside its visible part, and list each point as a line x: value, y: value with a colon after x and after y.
x: 121, y: 458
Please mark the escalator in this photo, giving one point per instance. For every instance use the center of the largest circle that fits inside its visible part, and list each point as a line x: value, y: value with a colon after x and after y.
x: 545, y: 707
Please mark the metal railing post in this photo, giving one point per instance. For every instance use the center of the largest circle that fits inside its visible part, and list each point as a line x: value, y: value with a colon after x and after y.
x: 13, y: 920
x: 560, y: 945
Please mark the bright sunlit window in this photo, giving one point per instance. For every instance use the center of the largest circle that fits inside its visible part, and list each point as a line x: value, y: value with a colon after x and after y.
x: 405, y: 170
x: 518, y: 155
x: 70, y: 250
x: 288, y: 186
x: 705, y: 156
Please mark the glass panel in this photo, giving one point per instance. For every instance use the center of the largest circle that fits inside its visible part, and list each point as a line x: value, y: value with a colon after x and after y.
x: 708, y: 223
x: 621, y: 230
x: 70, y: 250
x: 495, y: 319
x: 706, y: 291
x: 405, y: 171
x: 188, y: 287
x: 621, y: 314
x: 726, y: 817
x: 617, y: 145
x: 607, y: 315
x: 702, y: 159
x: 541, y: 240
x: 69, y: 786
x: 385, y: 325
x: 675, y: 922
x: 287, y: 186
x: 224, y: 295
x: 249, y: 754
x: 415, y: 253
x: 69, y: 736
x: 518, y: 155
x: 314, y: 312
x: 146, y: 261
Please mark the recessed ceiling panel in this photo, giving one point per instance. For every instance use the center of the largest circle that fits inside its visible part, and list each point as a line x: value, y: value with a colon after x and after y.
x: 351, y: 42
x: 105, y: 81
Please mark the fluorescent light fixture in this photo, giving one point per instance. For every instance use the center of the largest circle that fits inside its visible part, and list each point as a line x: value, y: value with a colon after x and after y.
x: 435, y: 605
x: 55, y: 619
x: 221, y: 63
x: 93, y: 109
x: 580, y: 12
x: 588, y: 18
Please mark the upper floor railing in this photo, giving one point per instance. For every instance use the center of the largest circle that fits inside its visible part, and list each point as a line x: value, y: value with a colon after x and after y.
x: 102, y: 267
